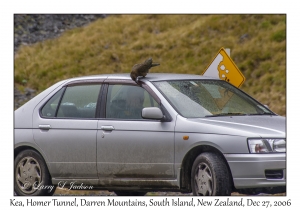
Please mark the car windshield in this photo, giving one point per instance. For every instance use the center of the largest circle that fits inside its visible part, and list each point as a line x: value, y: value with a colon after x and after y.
x: 209, y: 98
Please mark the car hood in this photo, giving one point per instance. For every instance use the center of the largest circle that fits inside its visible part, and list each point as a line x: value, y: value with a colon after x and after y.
x: 250, y: 126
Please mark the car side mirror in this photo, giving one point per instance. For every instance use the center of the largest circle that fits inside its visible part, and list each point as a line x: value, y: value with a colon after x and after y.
x: 153, y: 113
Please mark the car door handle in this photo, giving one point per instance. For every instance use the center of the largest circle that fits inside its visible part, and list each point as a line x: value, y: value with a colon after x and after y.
x: 107, y: 127
x: 44, y: 127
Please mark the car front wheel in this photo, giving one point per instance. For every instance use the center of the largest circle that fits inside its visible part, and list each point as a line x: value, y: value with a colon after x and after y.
x: 31, y: 175
x: 210, y: 176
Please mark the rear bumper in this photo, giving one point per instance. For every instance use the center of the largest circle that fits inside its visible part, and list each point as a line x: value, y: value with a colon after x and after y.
x: 257, y: 170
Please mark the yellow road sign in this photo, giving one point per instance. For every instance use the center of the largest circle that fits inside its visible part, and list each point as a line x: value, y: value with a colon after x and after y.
x: 223, y: 67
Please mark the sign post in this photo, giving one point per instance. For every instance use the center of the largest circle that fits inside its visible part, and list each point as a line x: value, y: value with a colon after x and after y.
x: 223, y: 67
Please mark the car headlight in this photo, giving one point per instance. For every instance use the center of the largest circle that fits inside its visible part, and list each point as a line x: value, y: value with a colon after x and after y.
x: 266, y: 145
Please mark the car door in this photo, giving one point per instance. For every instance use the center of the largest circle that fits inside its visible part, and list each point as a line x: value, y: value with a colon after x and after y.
x: 65, y: 129
x: 129, y: 146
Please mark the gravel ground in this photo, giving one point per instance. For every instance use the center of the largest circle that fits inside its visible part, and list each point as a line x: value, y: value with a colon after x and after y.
x: 67, y: 192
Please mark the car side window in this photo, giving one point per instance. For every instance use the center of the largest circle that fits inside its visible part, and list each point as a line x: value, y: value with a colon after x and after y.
x: 79, y: 101
x: 127, y: 102
x: 50, y: 107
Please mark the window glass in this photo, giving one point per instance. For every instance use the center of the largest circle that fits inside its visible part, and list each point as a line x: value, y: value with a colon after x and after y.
x: 206, y: 98
x: 79, y: 101
x: 49, y: 108
x: 127, y: 102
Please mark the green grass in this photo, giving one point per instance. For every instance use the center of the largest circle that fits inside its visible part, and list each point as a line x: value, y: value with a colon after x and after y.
x: 180, y: 43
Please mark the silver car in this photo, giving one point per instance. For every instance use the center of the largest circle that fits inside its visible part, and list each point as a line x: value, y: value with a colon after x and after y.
x: 165, y: 132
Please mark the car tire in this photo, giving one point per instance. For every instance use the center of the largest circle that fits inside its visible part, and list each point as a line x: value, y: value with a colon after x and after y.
x: 31, y: 175
x: 210, y: 176
x: 130, y: 193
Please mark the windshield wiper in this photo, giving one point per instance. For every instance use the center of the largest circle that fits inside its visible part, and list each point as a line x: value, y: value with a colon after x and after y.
x: 225, y: 114
x: 265, y: 113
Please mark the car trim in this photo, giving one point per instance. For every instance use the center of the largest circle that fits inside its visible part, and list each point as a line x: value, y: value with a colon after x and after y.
x: 120, y: 81
x: 84, y: 82
x: 100, y: 105
x: 58, y: 105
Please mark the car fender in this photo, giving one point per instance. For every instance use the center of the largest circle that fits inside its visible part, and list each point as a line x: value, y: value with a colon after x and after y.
x: 24, y: 140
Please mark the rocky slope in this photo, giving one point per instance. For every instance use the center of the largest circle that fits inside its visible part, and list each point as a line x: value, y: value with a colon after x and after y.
x: 33, y: 28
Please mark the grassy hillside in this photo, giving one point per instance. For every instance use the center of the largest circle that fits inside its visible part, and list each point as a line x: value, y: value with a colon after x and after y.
x: 180, y: 43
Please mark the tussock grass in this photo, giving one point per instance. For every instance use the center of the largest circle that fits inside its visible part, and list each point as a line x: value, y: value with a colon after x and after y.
x: 181, y: 43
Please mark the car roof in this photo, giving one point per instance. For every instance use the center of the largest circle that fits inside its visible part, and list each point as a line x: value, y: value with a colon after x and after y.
x: 150, y: 77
